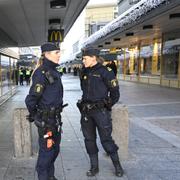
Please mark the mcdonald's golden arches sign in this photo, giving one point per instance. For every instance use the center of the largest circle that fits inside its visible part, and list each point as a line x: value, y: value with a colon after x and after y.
x: 55, y: 35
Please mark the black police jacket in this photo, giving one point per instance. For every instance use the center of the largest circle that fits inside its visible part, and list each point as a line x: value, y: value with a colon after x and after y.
x: 99, y: 83
x: 46, y: 90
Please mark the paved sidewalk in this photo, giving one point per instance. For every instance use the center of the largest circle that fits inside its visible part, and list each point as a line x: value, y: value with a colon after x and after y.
x: 154, y: 151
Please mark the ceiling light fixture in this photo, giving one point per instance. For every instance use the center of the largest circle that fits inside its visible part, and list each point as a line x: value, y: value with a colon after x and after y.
x: 175, y: 15
x: 57, y: 4
x: 117, y: 39
x: 107, y: 43
x: 130, y: 34
x: 148, y: 27
x: 55, y: 21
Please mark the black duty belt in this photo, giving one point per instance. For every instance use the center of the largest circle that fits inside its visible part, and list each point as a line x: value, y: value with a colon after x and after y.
x: 93, y: 106
x: 50, y: 113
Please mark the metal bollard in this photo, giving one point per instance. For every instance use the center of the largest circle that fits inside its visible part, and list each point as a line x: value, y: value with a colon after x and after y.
x: 120, y: 133
x: 22, y: 134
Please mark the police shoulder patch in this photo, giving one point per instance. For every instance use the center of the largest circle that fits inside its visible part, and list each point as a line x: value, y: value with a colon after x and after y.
x: 109, y: 69
x: 38, y: 88
x: 114, y: 83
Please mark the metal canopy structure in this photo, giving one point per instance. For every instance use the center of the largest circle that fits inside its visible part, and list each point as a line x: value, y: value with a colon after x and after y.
x: 153, y: 24
x: 26, y: 22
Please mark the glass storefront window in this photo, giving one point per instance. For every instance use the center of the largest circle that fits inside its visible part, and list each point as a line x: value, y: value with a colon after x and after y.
x: 5, y: 73
x: 145, y: 60
x: 171, y: 51
x: 150, y: 59
x: 126, y: 62
x: 14, y: 75
x: 131, y: 60
x: 7, y: 65
x: 120, y: 58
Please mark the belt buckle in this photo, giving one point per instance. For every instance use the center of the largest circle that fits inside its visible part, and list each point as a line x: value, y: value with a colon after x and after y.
x: 52, y: 109
x: 89, y: 106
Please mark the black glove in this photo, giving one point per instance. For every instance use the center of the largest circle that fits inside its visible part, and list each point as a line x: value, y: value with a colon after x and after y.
x: 39, y: 123
x: 79, y: 105
x: 30, y: 118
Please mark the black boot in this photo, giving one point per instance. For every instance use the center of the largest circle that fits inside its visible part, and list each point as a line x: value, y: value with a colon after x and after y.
x: 52, y: 178
x: 94, y: 165
x: 118, y: 168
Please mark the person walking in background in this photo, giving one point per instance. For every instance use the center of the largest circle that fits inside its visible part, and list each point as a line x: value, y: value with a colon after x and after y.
x: 21, y: 76
x: 45, y: 103
x: 75, y: 71
x: 27, y: 76
x: 69, y: 69
x: 100, y: 92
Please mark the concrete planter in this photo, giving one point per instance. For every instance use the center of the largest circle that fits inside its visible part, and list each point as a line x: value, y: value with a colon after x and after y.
x: 120, y: 131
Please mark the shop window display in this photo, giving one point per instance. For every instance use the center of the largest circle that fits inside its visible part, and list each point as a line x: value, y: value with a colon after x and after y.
x: 171, y: 52
x: 150, y: 59
x: 5, y: 73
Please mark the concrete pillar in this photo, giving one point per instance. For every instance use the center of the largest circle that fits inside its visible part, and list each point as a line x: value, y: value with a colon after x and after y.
x: 139, y: 61
x: 22, y: 134
x: 161, y: 60
x: 179, y: 70
x: 120, y: 131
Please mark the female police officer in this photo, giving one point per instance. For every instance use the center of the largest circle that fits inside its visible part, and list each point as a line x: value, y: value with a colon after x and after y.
x: 44, y: 103
x: 100, y: 92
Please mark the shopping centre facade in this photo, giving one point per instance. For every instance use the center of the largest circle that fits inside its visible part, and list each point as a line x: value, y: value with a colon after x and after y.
x: 146, y: 39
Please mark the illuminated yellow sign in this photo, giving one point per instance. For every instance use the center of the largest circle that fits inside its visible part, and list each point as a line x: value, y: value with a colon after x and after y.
x: 131, y: 62
x: 112, y: 50
x: 55, y: 35
x: 155, y: 58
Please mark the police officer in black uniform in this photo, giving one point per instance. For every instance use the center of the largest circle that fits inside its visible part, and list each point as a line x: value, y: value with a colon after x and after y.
x: 100, y: 92
x: 44, y: 103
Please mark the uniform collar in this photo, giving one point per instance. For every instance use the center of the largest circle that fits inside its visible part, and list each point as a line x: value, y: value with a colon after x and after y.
x: 49, y: 63
x: 96, y: 66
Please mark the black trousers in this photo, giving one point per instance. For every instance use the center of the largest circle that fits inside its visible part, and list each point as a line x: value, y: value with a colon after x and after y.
x: 47, y: 156
x: 99, y: 119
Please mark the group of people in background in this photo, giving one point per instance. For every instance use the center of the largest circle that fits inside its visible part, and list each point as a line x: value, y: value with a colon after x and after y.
x: 22, y: 74
x: 70, y: 69
x: 76, y: 69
